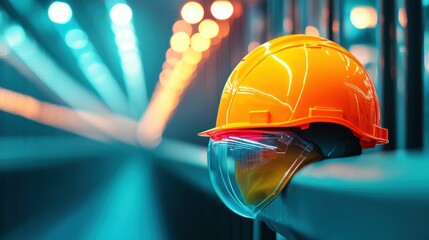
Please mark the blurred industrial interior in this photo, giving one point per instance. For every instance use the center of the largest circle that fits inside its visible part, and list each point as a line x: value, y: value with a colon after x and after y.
x: 101, y: 102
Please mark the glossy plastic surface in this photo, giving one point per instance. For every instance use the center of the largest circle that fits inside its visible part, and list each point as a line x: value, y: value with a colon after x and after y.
x: 297, y: 80
x: 239, y: 162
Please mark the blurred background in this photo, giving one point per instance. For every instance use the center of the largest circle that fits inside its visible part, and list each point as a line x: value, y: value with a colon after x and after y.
x: 101, y: 103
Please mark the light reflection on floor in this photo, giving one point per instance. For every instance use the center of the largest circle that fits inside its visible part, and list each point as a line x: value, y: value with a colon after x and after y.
x: 124, y: 208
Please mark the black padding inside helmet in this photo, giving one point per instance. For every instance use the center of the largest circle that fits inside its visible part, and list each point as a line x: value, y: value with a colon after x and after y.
x: 333, y: 140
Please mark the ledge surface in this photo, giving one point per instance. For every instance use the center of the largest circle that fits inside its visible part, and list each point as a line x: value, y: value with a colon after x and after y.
x: 382, y: 195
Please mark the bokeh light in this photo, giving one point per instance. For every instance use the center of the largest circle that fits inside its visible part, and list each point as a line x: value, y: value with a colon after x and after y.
x: 167, y: 66
x: 222, y: 9
x: 49, y: 114
x: 180, y: 67
x: 336, y: 26
x: 165, y: 74
x: 192, y: 12
x: 402, y: 17
x: 126, y: 40
x: 60, y: 12
x: 182, y: 26
x: 76, y: 39
x: 4, y: 51
x: 363, y: 17
x: 87, y: 58
x: 126, y: 46
x: 208, y: 28
x: 180, y: 42
x: 364, y: 53
x: 184, y: 68
x: 172, y: 61
x: 288, y: 25
x: 252, y: 45
x: 199, y: 43
x: 15, y: 35
x: 191, y: 56
x: 223, y: 29
x: 95, y: 69
x: 238, y: 9
x: 124, y: 34
x: 172, y: 54
x: 121, y: 14
x: 312, y: 30
x: 131, y: 63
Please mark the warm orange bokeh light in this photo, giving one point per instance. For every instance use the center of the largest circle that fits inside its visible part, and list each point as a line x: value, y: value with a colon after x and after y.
x: 172, y: 84
x: 288, y: 25
x: 181, y: 65
x: 192, y: 12
x: 184, y: 68
x: 252, y: 45
x: 336, y: 26
x: 364, y: 53
x: 199, y: 43
x: 238, y: 8
x: 172, y: 61
x: 172, y: 54
x: 215, y: 41
x: 223, y: 29
x: 222, y: 9
x: 165, y: 74
x: 150, y: 128
x: 208, y: 28
x: 363, y: 17
x: 153, y: 122
x: 166, y: 65
x: 402, y: 17
x: 101, y: 127
x: 180, y: 42
x: 182, y: 26
x: 191, y: 56
x: 312, y: 30
x: 46, y: 113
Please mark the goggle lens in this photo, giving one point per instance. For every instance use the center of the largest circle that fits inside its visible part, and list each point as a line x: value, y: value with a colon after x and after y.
x: 250, y: 168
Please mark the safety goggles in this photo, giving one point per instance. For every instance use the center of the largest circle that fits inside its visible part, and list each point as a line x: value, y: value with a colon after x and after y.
x: 249, y: 168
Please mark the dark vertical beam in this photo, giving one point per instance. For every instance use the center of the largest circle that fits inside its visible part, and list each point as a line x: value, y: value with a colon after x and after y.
x: 262, y: 232
x: 275, y: 18
x: 263, y: 8
x: 293, y: 16
x: 330, y: 7
x: 414, y: 76
x: 303, y: 15
x: 341, y: 35
x: 388, y: 70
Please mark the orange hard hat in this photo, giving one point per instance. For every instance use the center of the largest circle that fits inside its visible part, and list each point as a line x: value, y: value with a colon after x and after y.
x: 297, y: 80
